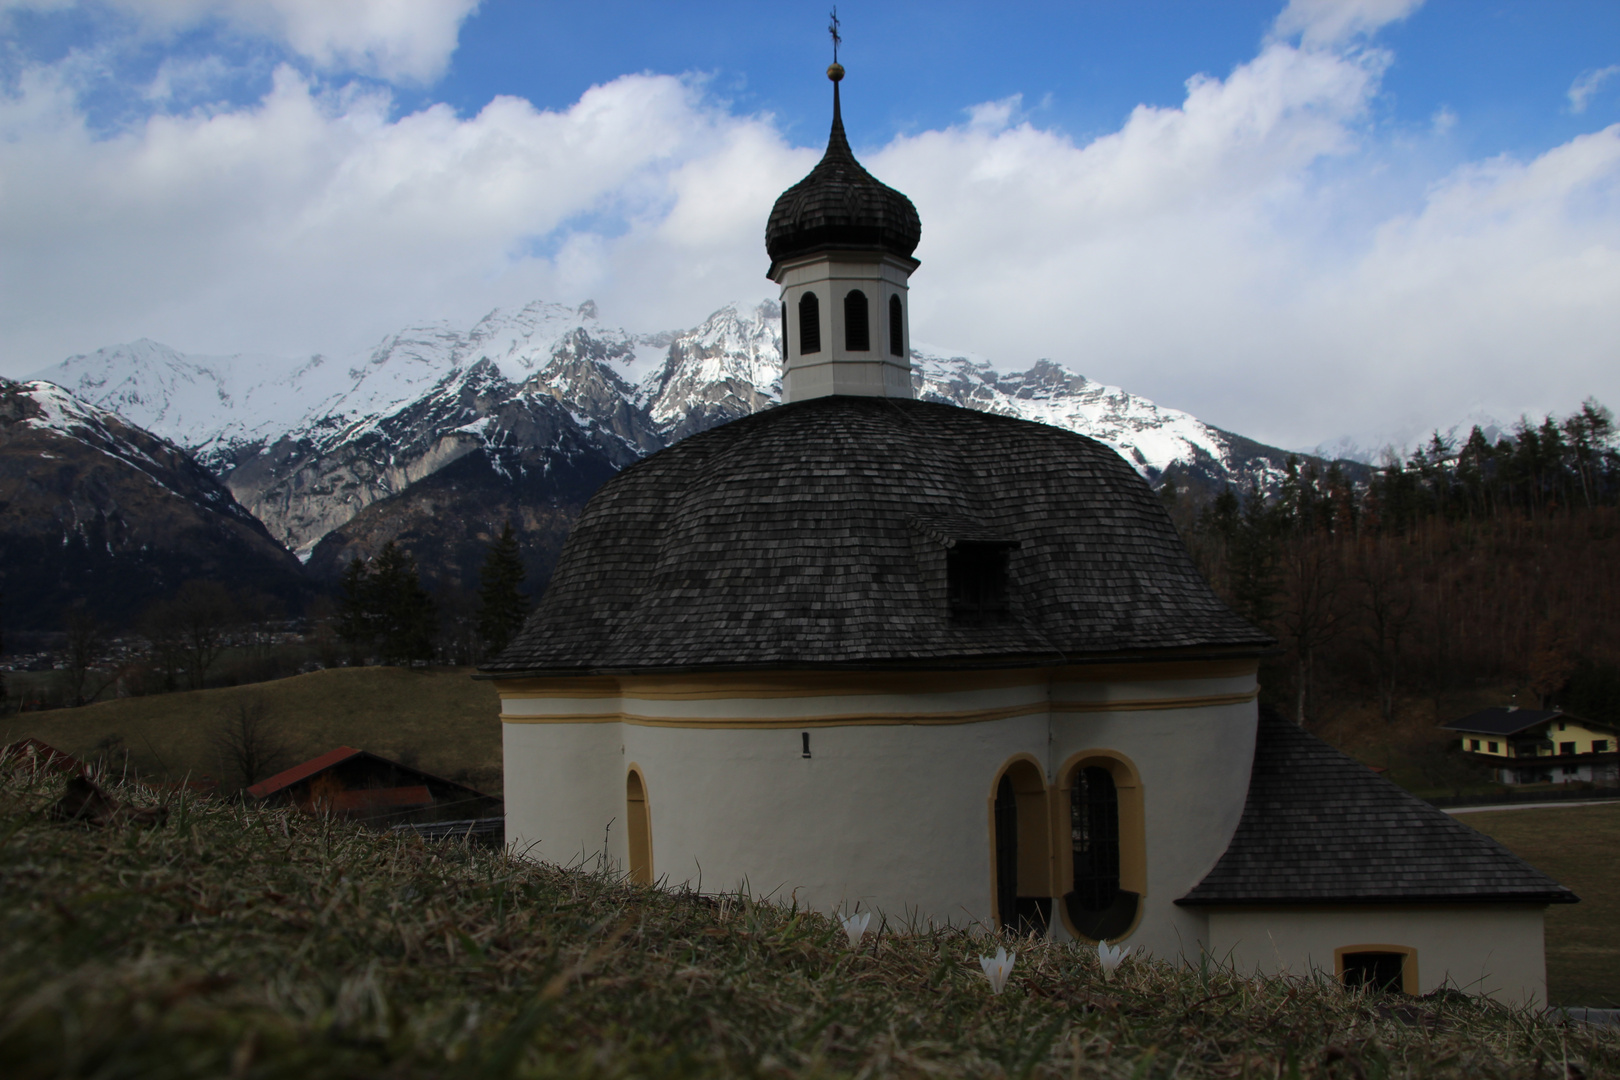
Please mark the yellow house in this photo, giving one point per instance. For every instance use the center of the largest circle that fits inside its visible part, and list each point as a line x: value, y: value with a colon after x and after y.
x: 1539, y: 746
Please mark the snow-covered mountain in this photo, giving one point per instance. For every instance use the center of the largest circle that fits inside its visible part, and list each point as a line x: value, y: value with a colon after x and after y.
x: 308, y: 444
x: 98, y: 511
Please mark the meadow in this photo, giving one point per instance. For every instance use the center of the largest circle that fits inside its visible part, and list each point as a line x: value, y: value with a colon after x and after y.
x: 440, y: 720
x: 236, y: 940
x: 1579, y: 846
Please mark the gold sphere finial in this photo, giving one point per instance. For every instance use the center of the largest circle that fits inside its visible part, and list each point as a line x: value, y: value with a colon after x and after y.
x: 835, y: 72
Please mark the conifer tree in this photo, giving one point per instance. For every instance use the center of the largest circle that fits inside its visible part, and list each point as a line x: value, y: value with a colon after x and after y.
x: 502, y: 605
x: 403, y: 612
x: 355, y: 624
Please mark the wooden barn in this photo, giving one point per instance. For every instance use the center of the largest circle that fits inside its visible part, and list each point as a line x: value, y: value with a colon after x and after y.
x: 362, y: 786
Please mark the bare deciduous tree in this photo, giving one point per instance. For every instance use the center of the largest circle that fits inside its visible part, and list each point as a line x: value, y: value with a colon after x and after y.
x: 251, y: 743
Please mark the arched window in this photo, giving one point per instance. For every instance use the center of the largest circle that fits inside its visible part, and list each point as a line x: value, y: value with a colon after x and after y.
x: 1106, y: 860
x: 639, y: 828
x: 857, y: 322
x: 784, y: 332
x: 1023, y: 900
x: 897, y: 330
x: 809, y: 324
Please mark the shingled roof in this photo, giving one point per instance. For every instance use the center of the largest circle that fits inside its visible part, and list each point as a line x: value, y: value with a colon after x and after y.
x: 1322, y: 828
x: 816, y: 533
x: 1502, y: 721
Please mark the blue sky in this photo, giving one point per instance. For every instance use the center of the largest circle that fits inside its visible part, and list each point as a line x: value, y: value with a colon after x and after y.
x: 1297, y: 220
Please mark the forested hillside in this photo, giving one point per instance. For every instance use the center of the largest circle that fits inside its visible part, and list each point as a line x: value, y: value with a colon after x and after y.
x: 1460, y: 571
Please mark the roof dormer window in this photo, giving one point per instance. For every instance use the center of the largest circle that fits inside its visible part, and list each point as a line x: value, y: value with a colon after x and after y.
x: 976, y: 581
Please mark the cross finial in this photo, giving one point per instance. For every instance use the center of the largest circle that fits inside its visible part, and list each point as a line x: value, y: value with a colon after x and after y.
x: 832, y: 28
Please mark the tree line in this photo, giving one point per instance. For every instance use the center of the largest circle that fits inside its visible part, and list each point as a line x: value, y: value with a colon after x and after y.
x: 387, y: 616
x: 1456, y: 567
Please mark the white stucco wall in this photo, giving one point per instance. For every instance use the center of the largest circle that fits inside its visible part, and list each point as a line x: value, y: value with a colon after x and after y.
x: 893, y: 808
x: 1194, y: 764
x: 1492, y: 949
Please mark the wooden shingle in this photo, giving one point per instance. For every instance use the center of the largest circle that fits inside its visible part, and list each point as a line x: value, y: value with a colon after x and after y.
x: 1322, y: 828
x: 791, y: 538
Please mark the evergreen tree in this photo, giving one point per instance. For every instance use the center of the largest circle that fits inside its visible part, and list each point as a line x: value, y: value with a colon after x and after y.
x: 403, y: 612
x: 356, y: 626
x: 502, y: 605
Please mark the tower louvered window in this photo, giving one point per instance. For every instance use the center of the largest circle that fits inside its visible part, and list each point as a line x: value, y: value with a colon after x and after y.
x: 857, y: 322
x: 809, y: 324
x: 897, y: 334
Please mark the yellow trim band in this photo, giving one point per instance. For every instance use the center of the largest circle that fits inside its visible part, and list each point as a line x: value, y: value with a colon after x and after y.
x: 969, y: 716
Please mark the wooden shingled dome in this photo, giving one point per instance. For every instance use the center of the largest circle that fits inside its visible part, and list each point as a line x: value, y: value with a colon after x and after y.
x: 840, y: 206
x: 818, y: 534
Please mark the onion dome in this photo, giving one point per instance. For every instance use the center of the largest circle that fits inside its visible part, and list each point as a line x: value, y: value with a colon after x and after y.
x: 840, y: 205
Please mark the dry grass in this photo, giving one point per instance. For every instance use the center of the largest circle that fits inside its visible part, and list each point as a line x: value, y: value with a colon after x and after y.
x: 245, y: 942
x: 442, y: 720
x: 1580, y: 847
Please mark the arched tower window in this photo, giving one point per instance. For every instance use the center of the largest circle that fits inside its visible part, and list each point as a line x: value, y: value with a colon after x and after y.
x: 1099, y: 905
x: 897, y: 332
x: 809, y: 324
x: 639, y: 820
x: 1023, y: 899
x: 857, y: 322
x: 784, y: 332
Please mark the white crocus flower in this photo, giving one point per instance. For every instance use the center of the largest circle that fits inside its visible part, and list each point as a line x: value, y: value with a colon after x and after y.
x: 998, y: 967
x: 1110, y: 956
x: 855, y: 926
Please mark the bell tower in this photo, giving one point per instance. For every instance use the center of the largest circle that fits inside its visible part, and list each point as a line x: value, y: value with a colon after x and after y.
x: 840, y: 244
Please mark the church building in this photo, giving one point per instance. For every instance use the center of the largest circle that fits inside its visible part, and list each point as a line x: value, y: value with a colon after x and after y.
x: 861, y: 649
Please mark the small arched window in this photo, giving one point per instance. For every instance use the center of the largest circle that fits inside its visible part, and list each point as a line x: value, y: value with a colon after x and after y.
x: 897, y: 332
x: 809, y: 324
x: 640, y: 828
x: 1021, y: 856
x: 857, y: 322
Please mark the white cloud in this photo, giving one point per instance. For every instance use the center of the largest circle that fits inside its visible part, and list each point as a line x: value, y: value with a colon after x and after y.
x: 1257, y: 255
x: 410, y: 40
x: 1326, y: 23
x: 1582, y: 89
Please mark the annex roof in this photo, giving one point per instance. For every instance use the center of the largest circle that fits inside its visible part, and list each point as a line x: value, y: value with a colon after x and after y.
x: 1502, y: 721
x: 817, y: 533
x: 1322, y: 828
x: 291, y: 776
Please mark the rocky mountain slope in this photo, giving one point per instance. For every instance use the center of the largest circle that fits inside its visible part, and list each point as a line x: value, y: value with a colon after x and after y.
x: 441, y: 433
x: 93, y: 509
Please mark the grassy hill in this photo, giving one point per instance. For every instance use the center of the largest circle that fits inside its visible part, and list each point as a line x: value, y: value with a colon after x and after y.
x: 440, y: 720
x: 255, y: 943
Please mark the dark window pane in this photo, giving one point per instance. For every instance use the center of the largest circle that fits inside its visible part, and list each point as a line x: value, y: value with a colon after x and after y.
x: 897, y: 336
x: 1374, y: 970
x: 809, y: 324
x: 976, y: 580
x: 1006, y: 852
x: 857, y: 335
x: 1094, y: 823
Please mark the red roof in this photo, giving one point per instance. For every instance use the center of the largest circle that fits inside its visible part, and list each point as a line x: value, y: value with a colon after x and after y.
x: 47, y: 756
x: 309, y: 768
